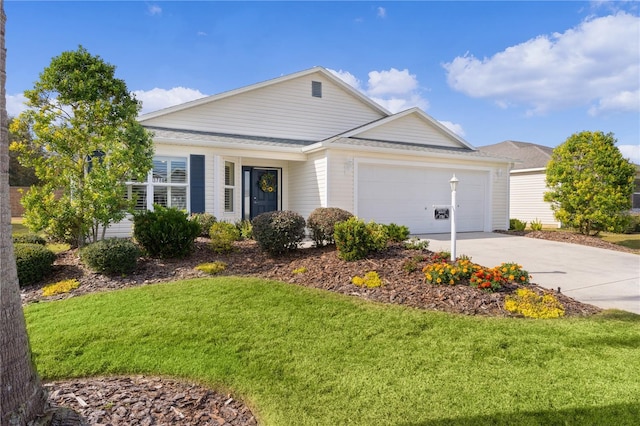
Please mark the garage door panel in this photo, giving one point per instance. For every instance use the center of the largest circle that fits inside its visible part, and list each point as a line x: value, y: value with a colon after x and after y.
x: 406, y: 196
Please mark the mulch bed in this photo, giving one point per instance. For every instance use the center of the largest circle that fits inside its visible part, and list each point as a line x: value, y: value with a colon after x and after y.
x: 148, y: 400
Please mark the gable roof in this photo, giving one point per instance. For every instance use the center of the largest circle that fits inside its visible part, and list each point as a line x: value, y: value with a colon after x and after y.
x: 528, y: 155
x: 415, y: 112
x: 323, y: 71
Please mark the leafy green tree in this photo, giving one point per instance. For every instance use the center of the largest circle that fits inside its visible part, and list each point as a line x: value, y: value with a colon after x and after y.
x: 18, y: 174
x: 590, y: 183
x: 85, y: 143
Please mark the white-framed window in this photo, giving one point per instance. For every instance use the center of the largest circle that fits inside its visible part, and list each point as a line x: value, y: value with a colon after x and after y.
x: 166, y: 185
x: 229, y: 186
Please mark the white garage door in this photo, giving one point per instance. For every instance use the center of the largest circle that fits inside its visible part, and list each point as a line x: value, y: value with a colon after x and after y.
x: 406, y: 196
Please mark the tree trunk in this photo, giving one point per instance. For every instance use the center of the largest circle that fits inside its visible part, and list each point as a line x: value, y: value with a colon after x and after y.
x: 22, y: 397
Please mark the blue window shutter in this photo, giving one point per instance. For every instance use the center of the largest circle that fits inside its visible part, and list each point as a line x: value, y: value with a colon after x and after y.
x: 197, y: 183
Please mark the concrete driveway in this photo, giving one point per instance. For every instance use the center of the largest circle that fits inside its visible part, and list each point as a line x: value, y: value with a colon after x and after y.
x: 605, y: 278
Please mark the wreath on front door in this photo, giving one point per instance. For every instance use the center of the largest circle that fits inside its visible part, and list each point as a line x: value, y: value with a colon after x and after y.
x: 267, y: 182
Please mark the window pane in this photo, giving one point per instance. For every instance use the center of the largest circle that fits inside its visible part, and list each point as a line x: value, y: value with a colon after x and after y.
x: 179, y: 198
x: 160, y: 195
x: 229, y: 173
x: 178, y: 171
x: 160, y: 171
x: 228, y: 199
x: 139, y: 193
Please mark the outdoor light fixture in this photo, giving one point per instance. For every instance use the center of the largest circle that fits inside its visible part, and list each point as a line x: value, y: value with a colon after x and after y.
x: 454, y: 185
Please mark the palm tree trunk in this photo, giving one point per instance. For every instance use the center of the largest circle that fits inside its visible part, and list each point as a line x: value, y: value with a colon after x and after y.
x: 22, y: 397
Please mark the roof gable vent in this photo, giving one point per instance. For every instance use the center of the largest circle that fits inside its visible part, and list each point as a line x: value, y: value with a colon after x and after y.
x: 316, y: 89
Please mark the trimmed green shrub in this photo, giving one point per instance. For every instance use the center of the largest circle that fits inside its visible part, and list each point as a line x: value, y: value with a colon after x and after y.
x: 633, y: 224
x: 33, y: 262
x: 205, y: 220
x: 165, y: 232
x: 322, y: 223
x: 517, y: 225
x: 29, y: 239
x: 245, y: 228
x: 222, y: 235
x: 111, y: 256
x: 396, y: 233
x: 278, y: 232
x: 536, y: 225
x: 355, y: 239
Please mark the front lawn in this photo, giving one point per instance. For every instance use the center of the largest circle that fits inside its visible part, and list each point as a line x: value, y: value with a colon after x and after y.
x: 631, y: 241
x: 302, y: 356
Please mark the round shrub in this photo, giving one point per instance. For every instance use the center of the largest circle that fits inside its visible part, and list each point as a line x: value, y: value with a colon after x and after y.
x: 278, y: 231
x: 322, y: 222
x: 33, y: 262
x: 397, y: 233
x: 29, y: 239
x: 355, y: 239
x: 111, y: 256
x: 222, y: 235
x: 205, y: 220
x: 165, y: 232
x: 245, y: 228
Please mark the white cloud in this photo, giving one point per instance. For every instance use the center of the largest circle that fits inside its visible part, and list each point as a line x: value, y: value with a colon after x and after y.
x: 348, y: 78
x: 454, y: 127
x: 631, y: 152
x: 392, y: 82
x: 381, y: 12
x: 15, y: 104
x: 155, y: 99
x: 393, y: 89
x: 154, y: 9
x: 595, y: 64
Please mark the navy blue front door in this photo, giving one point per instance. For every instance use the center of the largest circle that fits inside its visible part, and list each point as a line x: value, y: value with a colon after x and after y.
x: 263, y: 188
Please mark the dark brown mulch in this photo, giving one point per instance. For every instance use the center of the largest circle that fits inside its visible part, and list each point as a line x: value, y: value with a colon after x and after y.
x: 572, y: 238
x: 144, y: 400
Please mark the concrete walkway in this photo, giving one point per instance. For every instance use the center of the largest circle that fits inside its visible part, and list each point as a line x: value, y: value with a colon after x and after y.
x: 605, y: 278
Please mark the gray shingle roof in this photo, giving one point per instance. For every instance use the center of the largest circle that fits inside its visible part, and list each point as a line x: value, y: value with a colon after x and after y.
x: 197, y: 136
x: 529, y: 155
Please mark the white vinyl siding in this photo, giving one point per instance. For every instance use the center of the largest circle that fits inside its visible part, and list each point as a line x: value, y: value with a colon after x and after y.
x: 307, y: 184
x: 411, y: 129
x: 340, y: 180
x: 283, y: 110
x: 527, y: 198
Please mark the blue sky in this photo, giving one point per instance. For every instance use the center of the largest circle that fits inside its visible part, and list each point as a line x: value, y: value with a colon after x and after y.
x: 491, y: 71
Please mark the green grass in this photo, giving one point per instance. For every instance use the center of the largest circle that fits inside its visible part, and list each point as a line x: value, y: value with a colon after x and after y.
x: 304, y: 357
x: 18, y: 228
x: 631, y: 241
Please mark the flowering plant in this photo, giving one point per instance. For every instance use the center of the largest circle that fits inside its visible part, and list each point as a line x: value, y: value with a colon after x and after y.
x: 531, y: 305
x: 60, y: 287
x: 449, y: 273
x: 487, y: 279
x: 514, y: 273
x: 371, y: 279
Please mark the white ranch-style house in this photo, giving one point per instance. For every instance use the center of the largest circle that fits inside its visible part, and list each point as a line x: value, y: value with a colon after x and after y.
x: 309, y: 140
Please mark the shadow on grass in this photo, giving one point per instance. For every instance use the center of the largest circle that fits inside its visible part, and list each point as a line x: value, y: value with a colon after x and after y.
x: 617, y: 414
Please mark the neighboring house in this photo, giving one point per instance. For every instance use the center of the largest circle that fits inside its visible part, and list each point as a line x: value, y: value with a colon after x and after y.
x: 527, y: 180
x: 309, y: 140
